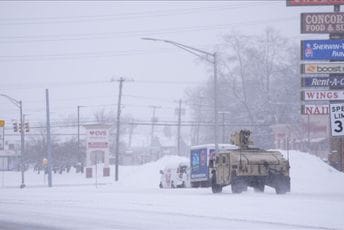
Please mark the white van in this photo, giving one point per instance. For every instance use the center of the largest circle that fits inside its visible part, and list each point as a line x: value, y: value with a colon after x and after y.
x: 175, y: 177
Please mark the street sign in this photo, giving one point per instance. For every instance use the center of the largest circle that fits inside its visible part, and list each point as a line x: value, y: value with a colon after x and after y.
x: 335, y: 81
x: 314, y: 82
x: 322, y: 50
x: 322, y: 95
x: 2, y: 123
x: 337, y: 119
x: 314, y: 2
x: 322, y: 68
x: 314, y: 109
x: 322, y: 23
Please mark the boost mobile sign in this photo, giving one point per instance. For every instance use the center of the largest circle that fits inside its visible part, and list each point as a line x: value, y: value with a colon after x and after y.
x: 322, y: 50
x: 322, y: 68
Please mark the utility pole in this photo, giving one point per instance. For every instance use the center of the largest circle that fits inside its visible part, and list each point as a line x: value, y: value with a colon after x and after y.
x: 179, y: 111
x: 22, y: 144
x: 78, y: 149
x: 121, y: 80
x: 215, y: 103
x: 223, y: 125
x: 48, y: 140
x: 154, y: 119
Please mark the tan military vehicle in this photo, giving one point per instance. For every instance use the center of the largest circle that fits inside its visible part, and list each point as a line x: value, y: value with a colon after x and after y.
x: 247, y: 166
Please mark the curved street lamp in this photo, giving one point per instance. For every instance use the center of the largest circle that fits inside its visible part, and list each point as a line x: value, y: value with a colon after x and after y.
x: 203, y: 55
x: 20, y: 106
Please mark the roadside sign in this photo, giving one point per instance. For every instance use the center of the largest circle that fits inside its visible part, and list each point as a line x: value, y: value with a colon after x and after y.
x: 322, y: 68
x: 337, y: 119
x: 322, y: 95
x: 335, y: 81
x: 2, y: 123
x: 314, y: 82
x: 322, y: 23
x: 314, y: 2
x: 322, y: 50
x: 314, y: 109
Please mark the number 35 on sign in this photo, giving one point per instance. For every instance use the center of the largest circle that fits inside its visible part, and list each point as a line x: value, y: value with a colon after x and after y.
x: 337, y: 119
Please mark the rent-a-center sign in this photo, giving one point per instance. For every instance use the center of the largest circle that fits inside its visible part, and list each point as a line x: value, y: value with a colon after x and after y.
x: 314, y: 2
x: 322, y: 50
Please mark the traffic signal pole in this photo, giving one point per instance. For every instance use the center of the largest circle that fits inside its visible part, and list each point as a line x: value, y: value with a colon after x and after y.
x: 22, y: 147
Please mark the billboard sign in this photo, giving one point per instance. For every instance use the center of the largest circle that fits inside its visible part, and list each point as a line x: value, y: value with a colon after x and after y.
x: 199, y: 167
x: 314, y: 109
x: 337, y: 119
x: 310, y: 82
x: 322, y: 95
x: 335, y: 81
x: 314, y: 2
x: 322, y: 68
x: 97, y: 138
x: 322, y: 23
x: 322, y: 50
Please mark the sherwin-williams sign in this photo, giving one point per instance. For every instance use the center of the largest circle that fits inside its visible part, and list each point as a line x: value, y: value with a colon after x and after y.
x: 314, y: 2
x: 322, y: 50
x: 322, y: 23
x: 322, y: 68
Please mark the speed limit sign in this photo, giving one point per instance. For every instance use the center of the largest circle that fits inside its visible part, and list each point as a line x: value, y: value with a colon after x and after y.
x: 337, y: 119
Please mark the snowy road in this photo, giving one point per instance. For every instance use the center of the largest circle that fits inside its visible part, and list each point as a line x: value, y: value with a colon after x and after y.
x: 113, y: 207
x: 135, y: 202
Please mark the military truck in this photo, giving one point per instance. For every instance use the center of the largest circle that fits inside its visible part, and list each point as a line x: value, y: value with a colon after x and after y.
x: 247, y: 166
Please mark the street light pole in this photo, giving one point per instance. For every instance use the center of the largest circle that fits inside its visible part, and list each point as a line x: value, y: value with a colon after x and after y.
x: 19, y: 104
x: 203, y: 55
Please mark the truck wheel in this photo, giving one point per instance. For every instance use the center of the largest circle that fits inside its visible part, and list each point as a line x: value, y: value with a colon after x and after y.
x: 238, y: 186
x: 183, y: 185
x: 282, y: 185
x: 259, y: 187
x: 172, y: 185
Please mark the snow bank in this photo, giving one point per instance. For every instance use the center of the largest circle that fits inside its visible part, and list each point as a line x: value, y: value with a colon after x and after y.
x: 309, y: 174
x: 148, y: 175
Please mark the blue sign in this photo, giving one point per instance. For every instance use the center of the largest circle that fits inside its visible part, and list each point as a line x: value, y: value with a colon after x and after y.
x: 315, y: 82
x: 322, y: 50
x: 199, y: 166
x: 334, y: 81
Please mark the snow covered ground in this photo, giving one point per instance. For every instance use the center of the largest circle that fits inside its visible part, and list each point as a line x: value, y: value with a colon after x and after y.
x: 135, y: 202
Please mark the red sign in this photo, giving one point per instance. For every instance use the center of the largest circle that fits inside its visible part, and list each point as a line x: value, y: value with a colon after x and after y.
x: 315, y: 109
x: 97, y: 145
x: 322, y: 95
x: 314, y: 2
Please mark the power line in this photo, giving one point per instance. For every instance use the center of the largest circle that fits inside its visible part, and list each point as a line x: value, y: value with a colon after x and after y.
x: 137, y: 33
x: 111, y: 17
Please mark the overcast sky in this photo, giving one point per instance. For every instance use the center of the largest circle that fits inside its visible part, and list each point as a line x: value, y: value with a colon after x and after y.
x: 75, y: 48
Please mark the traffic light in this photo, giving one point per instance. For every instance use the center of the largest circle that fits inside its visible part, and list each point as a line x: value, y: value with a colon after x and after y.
x: 27, y: 127
x: 15, y: 126
x: 20, y: 127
